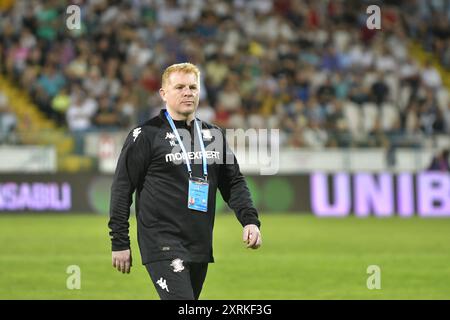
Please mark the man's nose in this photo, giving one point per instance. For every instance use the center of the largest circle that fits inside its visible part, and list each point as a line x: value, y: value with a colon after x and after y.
x: 188, y: 92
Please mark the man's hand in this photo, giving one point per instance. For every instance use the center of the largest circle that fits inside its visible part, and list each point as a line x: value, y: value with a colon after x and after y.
x: 252, y: 236
x: 122, y: 260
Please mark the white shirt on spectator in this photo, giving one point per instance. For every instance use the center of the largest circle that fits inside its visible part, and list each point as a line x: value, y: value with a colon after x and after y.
x: 170, y: 16
x: 431, y: 78
x: 408, y: 70
x: 367, y: 58
x: 360, y: 57
x: 341, y: 39
x: 261, y: 6
x: 206, y: 113
x: 139, y: 54
x: 79, y: 116
x: 385, y: 63
x: 95, y: 86
x: 192, y: 8
x: 398, y: 48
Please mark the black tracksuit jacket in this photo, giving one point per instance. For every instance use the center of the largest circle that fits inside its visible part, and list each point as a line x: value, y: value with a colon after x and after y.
x: 167, y: 228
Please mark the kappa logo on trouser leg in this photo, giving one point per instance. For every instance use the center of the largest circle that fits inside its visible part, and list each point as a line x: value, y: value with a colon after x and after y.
x: 163, y: 284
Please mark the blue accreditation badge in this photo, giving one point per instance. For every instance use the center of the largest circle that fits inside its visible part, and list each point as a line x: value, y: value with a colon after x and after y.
x: 198, y: 194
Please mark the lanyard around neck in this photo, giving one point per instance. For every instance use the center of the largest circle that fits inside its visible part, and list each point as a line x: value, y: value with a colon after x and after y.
x: 183, y: 149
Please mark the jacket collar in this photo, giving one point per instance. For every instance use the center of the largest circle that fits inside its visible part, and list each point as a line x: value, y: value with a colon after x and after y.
x: 178, y: 123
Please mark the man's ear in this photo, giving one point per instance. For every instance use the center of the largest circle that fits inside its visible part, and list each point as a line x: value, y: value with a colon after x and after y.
x: 162, y: 93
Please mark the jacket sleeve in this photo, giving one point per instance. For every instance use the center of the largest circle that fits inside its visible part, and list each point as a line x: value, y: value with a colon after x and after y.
x: 130, y: 172
x: 234, y: 189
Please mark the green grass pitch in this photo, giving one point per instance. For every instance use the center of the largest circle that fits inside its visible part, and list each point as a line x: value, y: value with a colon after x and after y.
x: 302, y: 257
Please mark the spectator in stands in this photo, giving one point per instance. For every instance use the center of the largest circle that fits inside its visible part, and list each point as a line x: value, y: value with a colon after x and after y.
x: 94, y: 83
x: 51, y: 81
x: 205, y: 112
x: 106, y: 117
x: 229, y: 98
x: 315, y: 136
x: 379, y: 90
x: 8, y: 121
x: 222, y: 117
x: 440, y: 162
x: 80, y: 112
x: 126, y: 106
x: 60, y: 105
x: 326, y: 92
x: 431, y: 77
x: 358, y: 93
x: 315, y: 112
x: 337, y: 125
x: 79, y: 117
x: 217, y: 70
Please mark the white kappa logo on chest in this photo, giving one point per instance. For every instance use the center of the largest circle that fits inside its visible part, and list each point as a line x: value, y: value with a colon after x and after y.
x: 171, y: 136
x: 207, y: 136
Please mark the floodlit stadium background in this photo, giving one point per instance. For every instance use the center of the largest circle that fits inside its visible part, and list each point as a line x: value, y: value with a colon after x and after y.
x: 363, y: 115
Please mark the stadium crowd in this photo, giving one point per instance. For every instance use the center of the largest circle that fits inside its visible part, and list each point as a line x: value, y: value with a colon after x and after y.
x: 310, y: 68
x: 428, y: 23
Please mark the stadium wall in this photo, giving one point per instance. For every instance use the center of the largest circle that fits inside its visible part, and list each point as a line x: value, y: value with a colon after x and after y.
x: 28, y: 159
x: 106, y: 148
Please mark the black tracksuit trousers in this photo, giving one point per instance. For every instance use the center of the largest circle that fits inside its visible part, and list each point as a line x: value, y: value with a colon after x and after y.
x: 175, y: 280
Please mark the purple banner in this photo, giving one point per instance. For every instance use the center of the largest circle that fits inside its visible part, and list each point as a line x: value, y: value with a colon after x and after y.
x: 382, y: 194
x: 434, y: 195
x: 45, y: 193
x: 35, y: 196
x: 321, y: 203
x: 426, y: 194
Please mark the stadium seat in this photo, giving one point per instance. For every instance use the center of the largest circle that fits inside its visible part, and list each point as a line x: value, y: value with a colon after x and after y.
x: 353, y: 116
x: 389, y: 116
x: 370, y: 116
x: 404, y: 96
x: 442, y: 98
